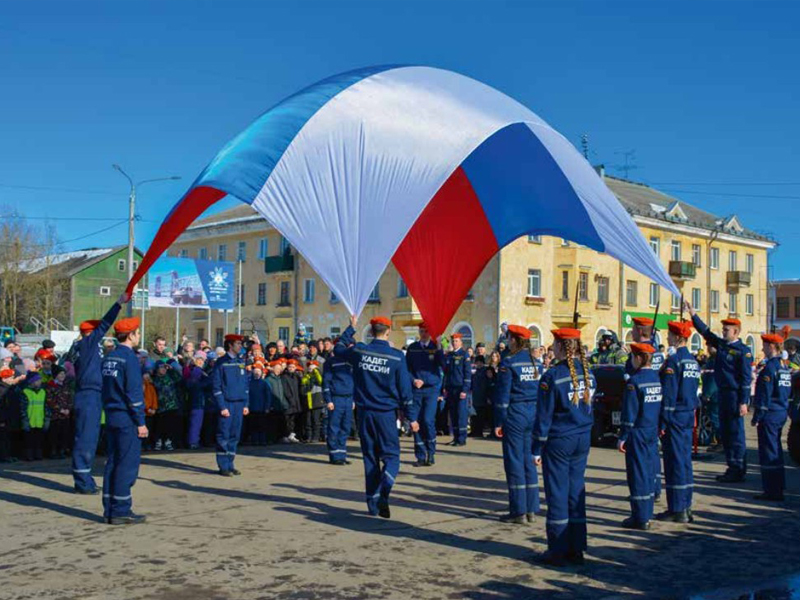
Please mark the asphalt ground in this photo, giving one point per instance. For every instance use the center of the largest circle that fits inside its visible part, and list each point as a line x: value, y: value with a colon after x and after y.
x: 293, y: 526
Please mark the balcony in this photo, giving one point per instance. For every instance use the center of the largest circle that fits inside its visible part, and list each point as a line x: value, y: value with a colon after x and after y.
x: 682, y: 270
x: 277, y: 264
x: 737, y: 279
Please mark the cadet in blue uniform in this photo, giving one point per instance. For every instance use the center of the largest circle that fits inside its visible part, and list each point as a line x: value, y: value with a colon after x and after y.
x: 457, y: 383
x: 337, y: 388
x: 86, y: 355
x: 680, y: 377
x: 515, y: 393
x: 638, y: 440
x: 733, y: 374
x: 773, y: 389
x: 425, y: 364
x: 123, y: 402
x: 382, y: 385
x: 561, y: 441
x: 231, y: 393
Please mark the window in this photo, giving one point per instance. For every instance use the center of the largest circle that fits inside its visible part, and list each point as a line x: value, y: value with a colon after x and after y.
x: 782, y: 308
x: 135, y: 264
x: 655, y: 245
x: 748, y: 304
x: 732, y: 260
x: 655, y: 293
x: 184, y: 253
x: 750, y: 263
x: 241, y: 252
x: 676, y: 302
x: 733, y: 303
x: 202, y: 254
x: 310, y: 332
x: 309, y: 289
x: 106, y: 291
x: 675, y: 250
x: 751, y: 343
x: 631, y: 292
x: 121, y: 264
x: 695, y: 343
x: 219, y: 334
x: 565, y: 285
x: 263, y: 248
x: 262, y: 294
x: 696, y: 298
x: 284, y: 294
x: 283, y: 333
x: 583, y: 286
x: 334, y: 298
x: 535, y: 239
x: 375, y: 294
x: 534, y: 282
x: 602, y: 290
x: 713, y: 301
x: 696, y: 255
x: 336, y: 331
x: 402, y: 289
x: 536, y: 336
x: 713, y: 258
x: 222, y: 252
x: 285, y: 246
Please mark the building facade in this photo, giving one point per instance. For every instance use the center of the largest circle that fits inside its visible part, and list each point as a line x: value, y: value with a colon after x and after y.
x: 786, y: 302
x: 719, y: 265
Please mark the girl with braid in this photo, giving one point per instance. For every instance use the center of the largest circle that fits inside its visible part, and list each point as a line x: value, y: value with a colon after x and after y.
x: 561, y: 440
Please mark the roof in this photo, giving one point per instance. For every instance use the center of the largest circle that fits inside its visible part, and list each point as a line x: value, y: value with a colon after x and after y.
x: 637, y: 198
x: 70, y: 263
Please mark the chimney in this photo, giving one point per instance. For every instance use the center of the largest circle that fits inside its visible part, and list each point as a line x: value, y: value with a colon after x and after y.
x: 601, y: 170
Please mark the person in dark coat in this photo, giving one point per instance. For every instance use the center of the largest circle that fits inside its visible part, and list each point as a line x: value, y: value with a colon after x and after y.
x: 291, y: 392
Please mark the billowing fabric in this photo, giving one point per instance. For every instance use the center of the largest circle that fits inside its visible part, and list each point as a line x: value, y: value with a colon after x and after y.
x: 381, y: 162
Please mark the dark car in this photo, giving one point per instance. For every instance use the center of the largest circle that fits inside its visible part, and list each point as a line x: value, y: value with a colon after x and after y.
x: 610, y: 381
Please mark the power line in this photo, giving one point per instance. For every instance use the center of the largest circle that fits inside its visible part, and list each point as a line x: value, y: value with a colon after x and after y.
x: 26, y: 218
x: 81, y: 237
x: 42, y: 188
x: 746, y: 184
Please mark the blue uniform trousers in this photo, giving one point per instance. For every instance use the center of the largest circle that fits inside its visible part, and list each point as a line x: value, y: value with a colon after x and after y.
x: 521, y: 477
x: 731, y: 427
x: 770, y: 452
x: 88, y: 407
x: 563, y: 468
x: 657, y: 474
x: 123, y: 453
x: 379, y: 444
x: 229, y: 429
x: 459, y: 414
x: 642, y: 444
x: 677, y: 446
x: 425, y: 439
x: 339, y: 423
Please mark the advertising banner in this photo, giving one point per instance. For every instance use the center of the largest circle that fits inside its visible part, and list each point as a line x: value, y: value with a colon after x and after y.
x: 186, y: 282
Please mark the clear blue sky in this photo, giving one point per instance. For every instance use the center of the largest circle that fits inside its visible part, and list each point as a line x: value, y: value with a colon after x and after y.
x: 706, y: 93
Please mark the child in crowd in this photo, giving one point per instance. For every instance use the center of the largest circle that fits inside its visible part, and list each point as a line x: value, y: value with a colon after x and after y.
x: 59, y: 393
x: 150, y: 408
x: 259, y: 405
x: 291, y: 391
x: 168, y: 417
x: 314, y: 403
x: 35, y: 416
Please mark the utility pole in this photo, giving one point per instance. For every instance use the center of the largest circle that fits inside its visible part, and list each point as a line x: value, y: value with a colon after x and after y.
x: 132, y: 218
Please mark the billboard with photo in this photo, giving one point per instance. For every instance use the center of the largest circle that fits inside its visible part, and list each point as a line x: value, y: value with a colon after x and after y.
x: 186, y: 282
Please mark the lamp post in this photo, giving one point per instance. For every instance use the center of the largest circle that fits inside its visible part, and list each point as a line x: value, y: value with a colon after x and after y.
x: 132, y: 216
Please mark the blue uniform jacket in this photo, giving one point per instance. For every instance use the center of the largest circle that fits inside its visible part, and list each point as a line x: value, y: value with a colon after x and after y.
x: 556, y: 415
x: 680, y: 377
x: 86, y: 354
x: 458, y: 371
x: 517, y: 381
x: 123, y: 389
x: 198, y: 385
x: 641, y: 404
x: 732, y: 365
x: 380, y: 376
x: 337, y: 378
x: 229, y: 381
x: 773, y: 389
x: 259, y: 395
x: 426, y: 363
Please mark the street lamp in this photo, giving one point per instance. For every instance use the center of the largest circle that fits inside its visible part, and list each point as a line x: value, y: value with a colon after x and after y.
x: 132, y: 216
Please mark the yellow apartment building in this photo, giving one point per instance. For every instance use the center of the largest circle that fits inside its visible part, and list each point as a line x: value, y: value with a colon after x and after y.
x: 718, y: 264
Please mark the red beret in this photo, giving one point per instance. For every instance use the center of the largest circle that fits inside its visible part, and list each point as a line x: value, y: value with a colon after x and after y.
x: 566, y: 333
x: 457, y: 336
x: 89, y: 326
x: 772, y: 338
x: 643, y: 321
x: 313, y: 362
x: 275, y: 363
x: 234, y: 337
x: 6, y: 373
x: 642, y: 348
x: 680, y: 328
x: 734, y: 322
x: 127, y: 325
x: 381, y: 321
x: 520, y: 331
x: 423, y: 325
x: 44, y: 354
